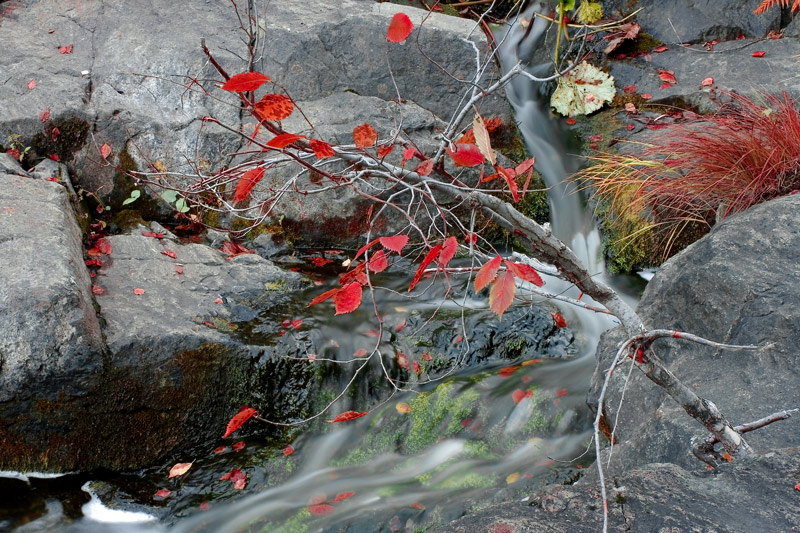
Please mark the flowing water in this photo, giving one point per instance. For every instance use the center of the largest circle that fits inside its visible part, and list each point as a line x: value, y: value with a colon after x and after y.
x: 492, y: 431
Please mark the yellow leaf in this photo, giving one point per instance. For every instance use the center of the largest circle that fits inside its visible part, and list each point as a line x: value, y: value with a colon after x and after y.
x: 512, y: 478
x: 482, y: 139
x: 179, y: 469
x: 403, y: 407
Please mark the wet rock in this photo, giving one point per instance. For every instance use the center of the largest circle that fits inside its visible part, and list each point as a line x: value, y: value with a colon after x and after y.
x: 687, y: 21
x: 753, y: 494
x: 736, y: 286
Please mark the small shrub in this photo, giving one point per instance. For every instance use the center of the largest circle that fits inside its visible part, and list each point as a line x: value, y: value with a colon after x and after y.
x: 697, y: 173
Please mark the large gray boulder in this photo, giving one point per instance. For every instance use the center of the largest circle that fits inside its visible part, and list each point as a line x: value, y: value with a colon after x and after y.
x: 127, y: 81
x: 736, y: 286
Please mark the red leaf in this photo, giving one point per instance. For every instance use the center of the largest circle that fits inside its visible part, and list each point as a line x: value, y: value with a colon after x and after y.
x: 321, y: 149
x: 296, y: 323
x: 471, y: 238
x: 44, y: 115
x: 523, y: 167
x: 416, y: 368
x: 105, y: 151
x: 559, y: 319
x: 466, y: 155
x: 163, y: 493
x: 347, y: 416
x: 708, y: 82
x: 365, y: 248
x: 283, y: 140
x: 449, y: 250
x: 239, y: 446
x: 152, y: 234
x: 65, y: 49
x: 360, y: 353
x: 427, y: 357
x: 666, y: 75
x: 629, y: 89
x: 246, y: 183
x: 431, y: 255
x: 98, y: 290
x: 289, y: 450
x: 518, y: 395
x: 321, y: 261
x: 425, y: 168
x: 179, y: 469
x: 646, y: 96
x: 138, y: 292
x: 348, y: 299
x: 238, y: 420
x: 659, y: 49
x: 364, y: 136
x: 383, y: 151
x: 238, y: 478
x: 54, y: 157
x: 342, y: 496
x: 509, y: 175
x: 399, y: 29
x: 32, y: 85
x: 357, y: 274
x: 245, y: 81
x: 233, y: 249
x: 378, y: 262
x: 759, y: 54
x: 487, y: 273
x: 274, y: 107
x: 502, y: 293
x: 169, y: 253
x: 525, y: 273
x: 561, y: 392
x: 395, y: 244
x: 322, y: 509
x: 507, y: 371
x: 408, y: 153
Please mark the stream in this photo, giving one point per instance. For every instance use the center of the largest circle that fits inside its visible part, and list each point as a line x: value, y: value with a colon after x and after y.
x: 492, y: 430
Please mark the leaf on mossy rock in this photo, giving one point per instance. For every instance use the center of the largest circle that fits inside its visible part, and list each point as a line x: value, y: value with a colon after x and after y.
x: 583, y: 90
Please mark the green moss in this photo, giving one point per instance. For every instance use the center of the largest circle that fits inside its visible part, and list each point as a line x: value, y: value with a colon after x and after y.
x: 537, y: 421
x: 275, y: 286
x: 534, y: 204
x: 296, y: 524
x: 467, y: 480
x: 430, y: 410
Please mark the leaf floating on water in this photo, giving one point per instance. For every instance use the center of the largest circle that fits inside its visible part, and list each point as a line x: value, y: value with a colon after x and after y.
x: 322, y: 509
x: 342, y: 496
x: 179, y: 469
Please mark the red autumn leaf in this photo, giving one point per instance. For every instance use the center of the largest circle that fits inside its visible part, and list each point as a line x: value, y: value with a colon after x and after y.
x: 427, y: 357
x: 283, y: 140
x: 105, y: 151
x: 509, y: 175
x: 239, y: 446
x: 238, y: 478
x: 169, y: 253
x: 471, y: 238
x: 54, y: 157
x: 238, y: 420
x: 179, y: 469
x: 44, y: 116
x: 759, y: 54
x: 518, y: 395
x: 347, y: 416
x: 502, y: 293
x: 399, y: 28
x: 383, y: 151
x: 296, y: 323
x: 138, y: 292
x: 245, y: 81
x: 487, y: 273
x: 560, y: 320
x: 65, y: 49
x: 94, y: 262
x: 416, y: 368
x: 401, y: 325
x: 429, y: 257
x: 357, y: 274
x: 378, y: 262
x: 163, y: 493
x: 629, y: 89
x: 246, y: 183
x: 360, y: 353
x: 322, y: 509
x: 289, y: 450
x: 708, y: 82
x: 364, y: 136
x: 152, y: 234
x: 348, y: 299
x: 321, y: 149
x: 372, y: 333
x: 274, y: 107
x: 204, y: 506
x: 98, y: 290
x: 561, y: 392
x: 425, y: 168
x: 646, y: 96
x: 466, y: 155
x: 232, y: 249
x: 507, y: 371
x: 32, y: 85
x: 395, y: 244
x: 659, y: 49
x: 666, y: 75
x: 365, y: 248
x: 449, y: 250
x: 408, y: 153
x: 665, y: 86
x: 525, y: 273
x: 526, y: 165
x: 321, y: 261
x: 342, y: 496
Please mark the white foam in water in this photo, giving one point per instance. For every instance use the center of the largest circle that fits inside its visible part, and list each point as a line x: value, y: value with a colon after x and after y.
x: 95, y: 510
x: 26, y: 477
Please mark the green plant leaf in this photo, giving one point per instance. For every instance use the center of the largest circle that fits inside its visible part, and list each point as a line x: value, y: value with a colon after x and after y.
x: 135, y: 194
x: 169, y: 196
x: 180, y: 205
